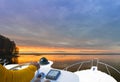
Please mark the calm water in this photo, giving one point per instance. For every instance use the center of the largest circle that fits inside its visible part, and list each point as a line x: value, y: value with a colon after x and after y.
x: 62, y: 61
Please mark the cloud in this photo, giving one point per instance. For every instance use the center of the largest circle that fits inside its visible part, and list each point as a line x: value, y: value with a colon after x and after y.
x: 64, y: 23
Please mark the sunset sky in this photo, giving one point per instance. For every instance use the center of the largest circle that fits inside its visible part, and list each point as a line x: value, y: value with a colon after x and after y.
x: 62, y: 25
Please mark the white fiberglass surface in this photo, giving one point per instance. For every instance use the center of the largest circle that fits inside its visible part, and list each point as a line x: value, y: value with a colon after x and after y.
x: 94, y: 76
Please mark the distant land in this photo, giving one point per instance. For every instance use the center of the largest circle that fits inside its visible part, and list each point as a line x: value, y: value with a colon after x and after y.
x: 67, y: 53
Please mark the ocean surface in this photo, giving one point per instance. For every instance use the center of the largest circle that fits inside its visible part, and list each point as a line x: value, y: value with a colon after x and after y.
x: 62, y: 61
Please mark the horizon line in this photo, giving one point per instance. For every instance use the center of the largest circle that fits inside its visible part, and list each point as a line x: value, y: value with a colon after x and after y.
x: 67, y: 53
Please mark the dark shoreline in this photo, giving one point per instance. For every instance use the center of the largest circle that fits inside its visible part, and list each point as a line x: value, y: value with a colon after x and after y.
x: 69, y: 53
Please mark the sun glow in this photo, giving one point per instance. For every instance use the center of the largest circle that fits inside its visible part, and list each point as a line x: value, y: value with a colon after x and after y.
x: 32, y: 49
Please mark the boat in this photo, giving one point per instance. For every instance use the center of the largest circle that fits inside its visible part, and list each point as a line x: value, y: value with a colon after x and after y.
x: 92, y: 74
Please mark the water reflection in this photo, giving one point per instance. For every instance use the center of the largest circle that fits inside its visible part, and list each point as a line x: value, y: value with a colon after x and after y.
x: 64, y: 60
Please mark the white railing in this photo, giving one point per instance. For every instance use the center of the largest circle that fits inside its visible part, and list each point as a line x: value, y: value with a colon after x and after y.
x: 107, y: 65
x: 91, y: 63
x: 81, y: 63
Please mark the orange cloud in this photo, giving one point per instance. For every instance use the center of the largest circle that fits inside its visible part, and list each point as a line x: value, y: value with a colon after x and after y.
x: 57, y: 49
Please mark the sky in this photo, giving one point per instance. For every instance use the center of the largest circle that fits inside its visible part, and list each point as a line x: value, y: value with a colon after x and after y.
x: 87, y: 25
